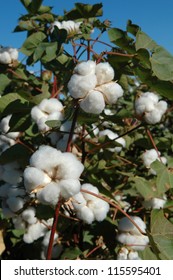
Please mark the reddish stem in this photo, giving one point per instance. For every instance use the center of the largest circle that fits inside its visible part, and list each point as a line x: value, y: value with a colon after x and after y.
x: 53, y: 230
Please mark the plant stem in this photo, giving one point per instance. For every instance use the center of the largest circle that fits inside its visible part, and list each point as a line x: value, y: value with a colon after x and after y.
x: 68, y: 148
x: 53, y: 230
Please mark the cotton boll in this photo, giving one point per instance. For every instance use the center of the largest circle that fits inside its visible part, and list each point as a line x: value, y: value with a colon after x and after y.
x: 50, y: 105
x: 4, y: 124
x: 37, y: 114
x: 122, y: 254
x: 34, y: 232
x: 146, y: 102
x: 111, y: 92
x: 149, y: 156
x: 15, y: 203
x: 153, y: 117
x: 93, y: 103
x: 111, y: 135
x: 135, y: 242
x: 125, y: 225
x: 55, y: 23
x: 69, y: 187
x: 18, y: 222
x: 70, y: 167
x: 90, y: 188
x: 155, y: 203
x: 34, y: 178
x: 104, y: 73
x: 46, y: 238
x: 133, y: 255
x: 79, y: 85
x: 100, y: 209
x: 10, y: 174
x: 13, y: 53
x: 78, y: 201
x: 86, y: 215
x: 15, y: 191
x: 162, y: 106
x: 85, y: 68
x: 5, y: 58
x: 46, y: 158
x: 49, y: 194
x: 4, y: 190
x: 28, y: 215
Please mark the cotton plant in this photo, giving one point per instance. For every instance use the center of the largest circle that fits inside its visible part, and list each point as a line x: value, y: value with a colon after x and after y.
x: 52, y: 174
x: 149, y: 107
x: 8, y: 55
x: 149, y: 156
x: 46, y: 110
x: 129, y: 235
x: 93, y: 85
x: 89, y: 208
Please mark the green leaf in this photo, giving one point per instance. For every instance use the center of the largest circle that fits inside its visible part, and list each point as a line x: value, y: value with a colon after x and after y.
x: 32, y: 42
x: 162, y: 234
x: 20, y: 122
x: 4, y: 82
x: 84, y: 11
x: 162, y: 64
x: 71, y: 253
x: 53, y: 123
x: 144, y: 187
x: 143, y: 41
x: 35, y: 5
x: 16, y: 152
x: 132, y: 28
x: 121, y: 39
x: 8, y: 98
x: 26, y: 25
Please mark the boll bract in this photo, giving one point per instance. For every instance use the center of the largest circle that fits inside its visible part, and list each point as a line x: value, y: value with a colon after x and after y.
x: 52, y: 174
x: 89, y: 208
x: 148, y: 106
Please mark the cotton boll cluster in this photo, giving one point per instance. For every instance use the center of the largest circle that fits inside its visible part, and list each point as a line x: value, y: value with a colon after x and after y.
x: 7, y: 139
x: 112, y: 135
x: 8, y: 55
x: 13, y: 199
x: 129, y: 235
x: 48, y: 109
x: 125, y: 254
x: 148, y: 106
x: 52, y: 174
x: 70, y: 26
x: 150, y: 156
x: 89, y: 208
x: 94, y: 86
x: 155, y: 203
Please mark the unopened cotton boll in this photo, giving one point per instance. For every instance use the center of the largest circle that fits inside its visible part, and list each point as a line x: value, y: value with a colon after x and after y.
x: 93, y: 103
x: 111, y: 92
x: 79, y: 85
x: 85, y: 68
x: 104, y: 73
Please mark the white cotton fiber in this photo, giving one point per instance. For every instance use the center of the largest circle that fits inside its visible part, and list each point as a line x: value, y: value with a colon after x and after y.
x: 28, y: 215
x: 79, y: 85
x: 34, y: 178
x: 50, y: 105
x: 135, y: 242
x: 93, y: 103
x: 49, y: 194
x: 85, y: 68
x: 125, y: 225
x: 5, y: 58
x: 133, y: 255
x: 86, y: 215
x: 13, y: 53
x: 16, y: 191
x: 100, y: 209
x: 149, y: 156
x: 111, y: 92
x: 69, y: 187
x: 15, y: 203
x: 34, y: 232
x: 112, y: 135
x: 104, y: 73
x: 46, y: 238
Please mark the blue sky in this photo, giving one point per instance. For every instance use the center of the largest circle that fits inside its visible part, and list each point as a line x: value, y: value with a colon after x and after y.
x: 153, y: 16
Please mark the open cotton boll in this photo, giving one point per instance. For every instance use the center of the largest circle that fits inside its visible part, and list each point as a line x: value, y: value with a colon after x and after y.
x: 125, y: 225
x: 78, y: 201
x: 90, y: 188
x: 34, y: 178
x: 28, y: 215
x: 86, y: 214
x: 4, y: 124
x: 153, y: 117
x: 85, y: 68
x: 13, y: 53
x: 79, y: 85
x: 135, y: 242
x: 93, y: 103
x: 16, y: 191
x: 10, y: 174
x: 45, y: 241
x: 133, y: 255
x: 162, y: 106
x: 104, y: 73
x: 49, y: 194
x: 99, y: 207
x: 155, y: 203
x: 122, y: 254
x: 69, y: 187
x: 4, y: 190
x: 34, y: 232
x: 57, y: 24
x: 15, y: 203
x: 149, y: 156
x: 112, y: 135
x: 111, y: 92
x: 50, y: 105
x: 5, y: 57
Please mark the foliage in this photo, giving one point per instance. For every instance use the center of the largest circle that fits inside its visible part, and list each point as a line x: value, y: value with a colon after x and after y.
x: 140, y: 65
